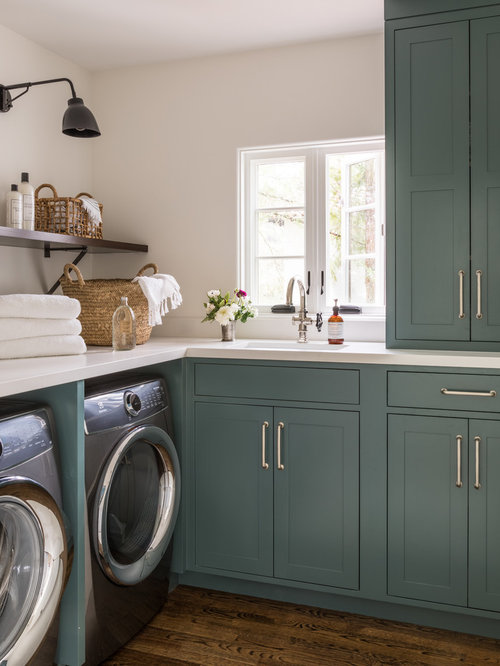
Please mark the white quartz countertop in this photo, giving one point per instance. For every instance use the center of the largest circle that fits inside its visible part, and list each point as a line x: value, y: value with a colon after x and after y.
x: 19, y: 375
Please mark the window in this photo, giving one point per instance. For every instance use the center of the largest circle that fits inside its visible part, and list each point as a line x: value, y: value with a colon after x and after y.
x: 314, y: 211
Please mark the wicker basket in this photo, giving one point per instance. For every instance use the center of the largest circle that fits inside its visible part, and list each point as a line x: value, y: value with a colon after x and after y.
x: 100, y: 298
x: 64, y: 215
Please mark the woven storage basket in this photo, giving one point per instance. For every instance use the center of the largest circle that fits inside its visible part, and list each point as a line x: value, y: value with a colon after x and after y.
x: 64, y: 215
x: 100, y: 298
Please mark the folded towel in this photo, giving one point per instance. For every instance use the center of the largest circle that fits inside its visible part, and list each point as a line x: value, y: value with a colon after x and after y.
x: 157, y: 289
x: 46, y: 345
x: 38, y: 306
x: 92, y: 208
x: 14, y: 328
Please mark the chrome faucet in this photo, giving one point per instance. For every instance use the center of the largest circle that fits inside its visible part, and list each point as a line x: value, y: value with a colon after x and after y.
x: 302, y: 317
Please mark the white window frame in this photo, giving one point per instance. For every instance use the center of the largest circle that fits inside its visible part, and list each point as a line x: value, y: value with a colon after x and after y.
x: 315, y: 214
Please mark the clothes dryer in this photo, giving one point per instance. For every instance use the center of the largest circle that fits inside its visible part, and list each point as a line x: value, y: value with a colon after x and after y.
x: 33, y: 545
x: 132, y: 478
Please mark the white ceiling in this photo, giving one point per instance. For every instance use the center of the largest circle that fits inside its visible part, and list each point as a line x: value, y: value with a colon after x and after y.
x: 103, y: 34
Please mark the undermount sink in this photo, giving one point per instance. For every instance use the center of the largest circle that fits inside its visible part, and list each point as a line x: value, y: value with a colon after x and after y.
x: 311, y: 345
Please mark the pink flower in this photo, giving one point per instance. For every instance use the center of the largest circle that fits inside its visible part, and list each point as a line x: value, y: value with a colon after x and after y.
x: 240, y: 293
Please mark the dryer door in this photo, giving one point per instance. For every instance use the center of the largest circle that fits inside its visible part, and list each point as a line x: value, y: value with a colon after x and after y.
x: 136, y: 505
x: 33, y: 560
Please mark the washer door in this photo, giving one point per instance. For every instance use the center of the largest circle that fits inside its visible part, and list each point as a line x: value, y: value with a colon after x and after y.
x: 33, y: 560
x: 136, y: 505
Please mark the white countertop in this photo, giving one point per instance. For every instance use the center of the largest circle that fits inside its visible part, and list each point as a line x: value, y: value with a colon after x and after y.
x: 19, y: 375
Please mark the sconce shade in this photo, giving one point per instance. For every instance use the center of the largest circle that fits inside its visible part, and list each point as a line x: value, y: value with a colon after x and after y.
x: 78, y: 120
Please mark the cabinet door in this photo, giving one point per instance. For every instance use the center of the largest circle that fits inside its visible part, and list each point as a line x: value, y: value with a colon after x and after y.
x: 427, y: 511
x: 234, y: 492
x: 484, y: 511
x: 317, y: 497
x: 485, y: 177
x: 431, y: 179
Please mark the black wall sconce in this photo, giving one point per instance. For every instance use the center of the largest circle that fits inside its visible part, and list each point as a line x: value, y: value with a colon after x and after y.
x: 77, y: 120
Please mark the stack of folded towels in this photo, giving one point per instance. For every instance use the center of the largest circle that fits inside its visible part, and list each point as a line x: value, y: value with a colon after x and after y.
x: 39, y: 325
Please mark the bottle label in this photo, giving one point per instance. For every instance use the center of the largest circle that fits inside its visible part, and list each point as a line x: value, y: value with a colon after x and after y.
x: 335, y: 330
x: 16, y: 219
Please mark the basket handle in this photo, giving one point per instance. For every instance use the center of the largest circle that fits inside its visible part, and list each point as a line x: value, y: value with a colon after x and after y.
x: 84, y: 194
x: 51, y: 187
x: 145, y: 268
x: 72, y: 267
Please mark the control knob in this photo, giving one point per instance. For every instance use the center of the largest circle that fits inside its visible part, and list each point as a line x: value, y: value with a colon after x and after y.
x: 132, y: 403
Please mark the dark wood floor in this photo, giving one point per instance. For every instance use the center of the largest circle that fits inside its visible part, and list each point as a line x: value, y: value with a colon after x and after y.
x: 207, y: 628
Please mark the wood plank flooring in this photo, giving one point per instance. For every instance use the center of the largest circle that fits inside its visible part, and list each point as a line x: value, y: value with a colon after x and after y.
x: 208, y: 628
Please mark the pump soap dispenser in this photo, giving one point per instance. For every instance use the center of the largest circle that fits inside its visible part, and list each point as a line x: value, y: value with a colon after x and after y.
x: 335, y: 327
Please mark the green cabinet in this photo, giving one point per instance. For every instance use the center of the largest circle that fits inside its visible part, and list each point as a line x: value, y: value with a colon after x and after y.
x: 443, y: 500
x: 443, y: 141
x: 277, y: 492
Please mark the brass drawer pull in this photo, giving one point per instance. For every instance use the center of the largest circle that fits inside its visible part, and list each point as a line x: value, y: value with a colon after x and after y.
x: 480, y: 394
x: 281, y: 425
x: 477, y: 485
x: 479, y: 313
x: 461, y: 313
x: 459, y: 461
x: 265, y: 426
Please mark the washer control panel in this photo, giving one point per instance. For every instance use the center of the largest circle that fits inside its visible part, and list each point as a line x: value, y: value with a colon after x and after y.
x: 22, y: 437
x: 119, y: 407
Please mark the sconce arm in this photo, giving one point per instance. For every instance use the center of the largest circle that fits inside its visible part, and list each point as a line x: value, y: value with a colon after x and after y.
x: 6, y: 99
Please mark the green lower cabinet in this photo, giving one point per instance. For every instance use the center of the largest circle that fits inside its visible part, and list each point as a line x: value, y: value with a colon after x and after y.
x: 427, y: 511
x: 234, y: 493
x: 443, y: 510
x: 316, y: 497
x: 297, y: 522
x: 484, y: 515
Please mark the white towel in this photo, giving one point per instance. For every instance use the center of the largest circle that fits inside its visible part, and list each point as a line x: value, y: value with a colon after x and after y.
x: 14, y: 328
x: 46, y: 345
x: 92, y: 208
x: 157, y: 289
x: 38, y: 306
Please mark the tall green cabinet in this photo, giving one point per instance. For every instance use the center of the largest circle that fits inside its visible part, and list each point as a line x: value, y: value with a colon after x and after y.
x: 443, y: 175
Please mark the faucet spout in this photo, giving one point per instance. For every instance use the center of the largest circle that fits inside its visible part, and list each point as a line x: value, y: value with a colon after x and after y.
x: 302, y: 318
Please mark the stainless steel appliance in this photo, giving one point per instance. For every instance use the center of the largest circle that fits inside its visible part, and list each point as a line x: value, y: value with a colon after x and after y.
x: 33, y: 545
x: 132, y: 478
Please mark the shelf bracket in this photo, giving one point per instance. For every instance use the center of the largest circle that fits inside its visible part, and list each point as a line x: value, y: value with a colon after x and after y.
x: 46, y: 253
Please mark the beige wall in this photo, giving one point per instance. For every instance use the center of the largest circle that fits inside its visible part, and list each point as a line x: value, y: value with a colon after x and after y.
x: 166, y: 165
x: 31, y: 140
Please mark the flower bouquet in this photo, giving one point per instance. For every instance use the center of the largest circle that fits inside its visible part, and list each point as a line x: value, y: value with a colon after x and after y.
x: 227, y: 309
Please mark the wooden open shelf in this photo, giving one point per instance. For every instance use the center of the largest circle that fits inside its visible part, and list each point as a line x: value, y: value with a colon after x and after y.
x: 47, y: 241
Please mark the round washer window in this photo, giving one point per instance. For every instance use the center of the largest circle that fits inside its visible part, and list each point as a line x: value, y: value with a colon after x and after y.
x: 137, y: 502
x: 21, y: 568
x: 133, y: 503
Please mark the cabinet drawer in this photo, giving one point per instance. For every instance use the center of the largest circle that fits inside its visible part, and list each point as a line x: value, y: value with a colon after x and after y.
x: 444, y: 391
x: 277, y: 383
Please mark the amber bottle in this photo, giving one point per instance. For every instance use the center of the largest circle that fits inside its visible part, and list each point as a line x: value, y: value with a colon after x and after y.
x: 335, y: 327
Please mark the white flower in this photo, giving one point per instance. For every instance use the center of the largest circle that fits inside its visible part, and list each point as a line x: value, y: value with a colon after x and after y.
x: 213, y: 293
x: 210, y: 307
x: 224, y: 315
x: 234, y: 307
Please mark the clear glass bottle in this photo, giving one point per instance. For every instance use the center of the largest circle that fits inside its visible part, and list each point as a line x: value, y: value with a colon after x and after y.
x: 123, y: 326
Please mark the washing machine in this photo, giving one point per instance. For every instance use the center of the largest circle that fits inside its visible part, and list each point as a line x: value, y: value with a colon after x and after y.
x: 132, y: 478
x: 33, y: 544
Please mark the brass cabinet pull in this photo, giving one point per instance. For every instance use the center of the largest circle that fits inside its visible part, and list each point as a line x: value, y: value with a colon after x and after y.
x: 479, y: 314
x: 265, y: 426
x: 481, y: 394
x: 461, y: 313
x: 459, y: 461
x: 477, y: 440
x: 281, y: 425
